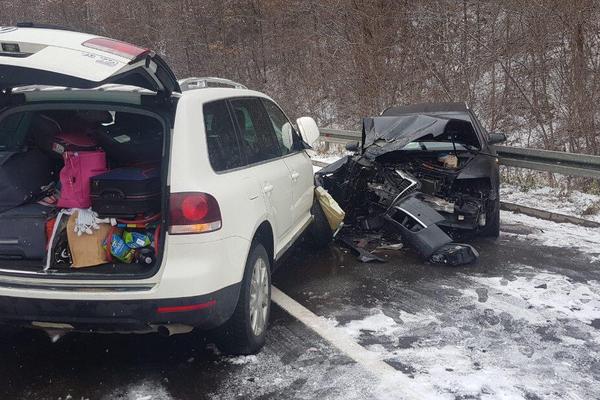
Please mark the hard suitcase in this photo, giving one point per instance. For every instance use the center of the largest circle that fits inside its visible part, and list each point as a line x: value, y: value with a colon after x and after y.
x: 23, y: 232
x: 127, y: 192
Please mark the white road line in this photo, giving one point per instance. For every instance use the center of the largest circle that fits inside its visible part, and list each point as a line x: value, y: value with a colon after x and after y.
x: 346, y: 344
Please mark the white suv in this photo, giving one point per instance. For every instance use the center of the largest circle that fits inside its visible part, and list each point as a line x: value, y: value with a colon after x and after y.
x: 237, y: 191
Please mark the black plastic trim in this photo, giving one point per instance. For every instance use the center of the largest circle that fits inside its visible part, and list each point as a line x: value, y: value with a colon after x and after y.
x: 121, y: 315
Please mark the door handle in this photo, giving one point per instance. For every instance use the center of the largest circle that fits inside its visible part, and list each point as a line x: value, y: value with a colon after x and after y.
x: 295, y: 176
x: 268, y: 188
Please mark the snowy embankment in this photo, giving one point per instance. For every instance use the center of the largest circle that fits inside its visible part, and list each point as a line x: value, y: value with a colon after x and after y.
x: 575, y: 203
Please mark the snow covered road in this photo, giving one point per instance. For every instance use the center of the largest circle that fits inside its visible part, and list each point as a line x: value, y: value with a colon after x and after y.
x: 524, y: 323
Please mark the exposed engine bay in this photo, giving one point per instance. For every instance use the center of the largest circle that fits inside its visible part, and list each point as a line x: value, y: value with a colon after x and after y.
x: 430, y: 191
x: 463, y: 202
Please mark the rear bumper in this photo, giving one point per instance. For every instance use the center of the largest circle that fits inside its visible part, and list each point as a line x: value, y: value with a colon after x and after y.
x: 205, y: 312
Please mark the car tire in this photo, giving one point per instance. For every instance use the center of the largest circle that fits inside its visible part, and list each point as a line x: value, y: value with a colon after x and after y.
x: 492, y: 227
x: 319, y: 232
x: 244, y: 333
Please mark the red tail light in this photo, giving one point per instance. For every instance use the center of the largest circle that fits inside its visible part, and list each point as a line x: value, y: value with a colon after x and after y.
x: 193, y: 212
x: 116, y: 47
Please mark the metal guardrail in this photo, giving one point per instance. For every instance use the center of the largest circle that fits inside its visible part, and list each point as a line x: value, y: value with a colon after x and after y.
x: 540, y: 160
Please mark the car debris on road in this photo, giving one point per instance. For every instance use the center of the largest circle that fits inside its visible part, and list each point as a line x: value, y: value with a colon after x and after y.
x: 425, y: 175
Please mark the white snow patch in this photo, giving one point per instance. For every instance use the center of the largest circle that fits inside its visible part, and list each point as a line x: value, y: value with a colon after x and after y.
x: 144, y: 390
x: 552, y: 199
x: 561, y: 298
x: 242, y: 360
x: 327, y: 158
x: 379, y: 324
x: 551, y: 233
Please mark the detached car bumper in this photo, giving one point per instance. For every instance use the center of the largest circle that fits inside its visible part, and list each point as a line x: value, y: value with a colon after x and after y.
x: 204, y: 312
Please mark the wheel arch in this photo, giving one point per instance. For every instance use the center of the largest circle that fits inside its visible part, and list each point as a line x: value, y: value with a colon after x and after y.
x: 264, y: 235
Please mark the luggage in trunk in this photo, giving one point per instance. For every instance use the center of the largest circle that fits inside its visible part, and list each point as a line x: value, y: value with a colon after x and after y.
x: 128, y: 149
x: 127, y: 192
x: 23, y: 175
x: 132, y: 139
x: 68, y: 141
x: 23, y: 232
x: 75, y: 177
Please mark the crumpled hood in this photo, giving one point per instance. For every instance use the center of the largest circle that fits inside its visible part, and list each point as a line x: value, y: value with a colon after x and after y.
x: 385, y: 134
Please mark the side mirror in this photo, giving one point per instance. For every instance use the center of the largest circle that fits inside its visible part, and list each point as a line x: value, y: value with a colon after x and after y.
x: 308, y: 130
x: 495, y: 138
x: 353, y: 147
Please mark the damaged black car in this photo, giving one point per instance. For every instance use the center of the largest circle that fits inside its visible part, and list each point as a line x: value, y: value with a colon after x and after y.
x: 426, y: 172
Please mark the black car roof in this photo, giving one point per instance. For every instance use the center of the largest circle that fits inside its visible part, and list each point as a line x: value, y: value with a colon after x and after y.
x: 425, y: 108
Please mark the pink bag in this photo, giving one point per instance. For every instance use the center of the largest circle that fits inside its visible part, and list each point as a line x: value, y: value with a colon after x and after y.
x: 75, y: 177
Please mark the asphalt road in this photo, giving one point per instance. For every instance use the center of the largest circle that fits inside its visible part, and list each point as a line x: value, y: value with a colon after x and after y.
x: 524, y: 322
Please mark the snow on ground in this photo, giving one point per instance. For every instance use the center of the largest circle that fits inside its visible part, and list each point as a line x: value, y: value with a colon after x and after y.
x: 241, y: 360
x: 324, y: 157
x: 552, y: 199
x: 279, y: 372
x: 327, y: 157
x: 144, y: 390
x: 528, y: 334
x: 554, y: 234
x: 529, y: 338
x: 547, y: 296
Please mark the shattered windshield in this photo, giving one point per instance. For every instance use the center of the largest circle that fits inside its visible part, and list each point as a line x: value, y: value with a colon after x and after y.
x: 419, y: 132
x: 435, y: 146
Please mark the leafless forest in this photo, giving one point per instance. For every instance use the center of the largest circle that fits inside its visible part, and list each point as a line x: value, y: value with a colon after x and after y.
x: 529, y: 68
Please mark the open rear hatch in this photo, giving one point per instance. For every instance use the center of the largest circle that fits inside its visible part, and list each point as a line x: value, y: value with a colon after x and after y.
x: 82, y: 185
x: 51, y: 57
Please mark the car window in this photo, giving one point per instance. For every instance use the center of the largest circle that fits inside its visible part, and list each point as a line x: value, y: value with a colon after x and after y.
x: 257, y: 136
x: 13, y: 131
x: 284, y: 130
x: 223, y: 148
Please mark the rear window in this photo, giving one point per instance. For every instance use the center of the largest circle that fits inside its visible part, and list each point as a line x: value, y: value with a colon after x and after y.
x: 13, y: 131
x: 223, y: 147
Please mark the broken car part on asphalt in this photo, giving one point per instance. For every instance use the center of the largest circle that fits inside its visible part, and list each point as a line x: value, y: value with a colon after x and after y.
x: 425, y: 173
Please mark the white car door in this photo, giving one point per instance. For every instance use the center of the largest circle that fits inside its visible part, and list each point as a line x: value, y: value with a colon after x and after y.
x: 264, y: 159
x: 298, y: 164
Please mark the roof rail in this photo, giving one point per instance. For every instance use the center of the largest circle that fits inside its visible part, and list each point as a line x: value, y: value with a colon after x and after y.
x: 208, y: 82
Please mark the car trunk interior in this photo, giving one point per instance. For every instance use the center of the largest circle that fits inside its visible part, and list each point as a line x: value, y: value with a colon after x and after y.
x: 81, y: 192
